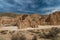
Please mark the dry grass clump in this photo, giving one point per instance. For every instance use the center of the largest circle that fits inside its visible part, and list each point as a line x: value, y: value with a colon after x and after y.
x: 52, y: 34
x: 18, y: 37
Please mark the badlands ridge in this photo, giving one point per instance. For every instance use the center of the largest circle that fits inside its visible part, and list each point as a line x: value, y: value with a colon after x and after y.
x: 29, y: 20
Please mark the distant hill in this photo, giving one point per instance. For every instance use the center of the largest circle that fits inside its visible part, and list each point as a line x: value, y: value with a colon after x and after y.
x: 8, y: 14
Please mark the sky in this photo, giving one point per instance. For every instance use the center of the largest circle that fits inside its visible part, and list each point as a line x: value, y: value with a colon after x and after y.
x: 30, y: 6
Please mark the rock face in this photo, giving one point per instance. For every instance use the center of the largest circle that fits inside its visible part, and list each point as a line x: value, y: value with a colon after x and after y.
x: 31, y: 20
x: 36, y: 19
x: 7, y: 21
x: 54, y: 19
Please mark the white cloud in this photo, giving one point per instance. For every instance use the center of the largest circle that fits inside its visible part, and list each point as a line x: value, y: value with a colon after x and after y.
x: 52, y: 9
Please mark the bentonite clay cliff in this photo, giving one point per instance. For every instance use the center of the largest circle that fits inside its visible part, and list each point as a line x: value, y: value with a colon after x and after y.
x: 29, y: 20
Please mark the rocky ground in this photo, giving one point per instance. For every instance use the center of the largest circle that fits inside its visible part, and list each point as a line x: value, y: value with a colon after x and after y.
x: 22, y: 21
x: 39, y: 34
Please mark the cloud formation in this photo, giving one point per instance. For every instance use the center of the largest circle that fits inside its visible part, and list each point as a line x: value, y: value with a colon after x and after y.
x: 30, y: 6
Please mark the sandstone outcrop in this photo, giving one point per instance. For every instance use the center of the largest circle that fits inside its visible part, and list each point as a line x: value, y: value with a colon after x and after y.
x: 31, y: 20
x: 54, y: 19
x: 7, y: 21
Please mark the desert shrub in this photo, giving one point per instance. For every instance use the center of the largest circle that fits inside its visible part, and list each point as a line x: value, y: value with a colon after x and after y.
x: 11, y: 32
x: 34, y: 38
x: 4, y: 32
x: 18, y: 37
x: 52, y: 33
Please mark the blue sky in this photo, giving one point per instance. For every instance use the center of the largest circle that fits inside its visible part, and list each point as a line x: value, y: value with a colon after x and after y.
x: 30, y: 6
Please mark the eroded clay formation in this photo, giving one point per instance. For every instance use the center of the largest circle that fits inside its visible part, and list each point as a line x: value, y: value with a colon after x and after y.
x: 29, y: 20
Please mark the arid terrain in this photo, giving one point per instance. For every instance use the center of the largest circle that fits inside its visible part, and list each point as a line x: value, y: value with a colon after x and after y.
x: 29, y: 20
x: 36, y: 34
x: 29, y: 26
